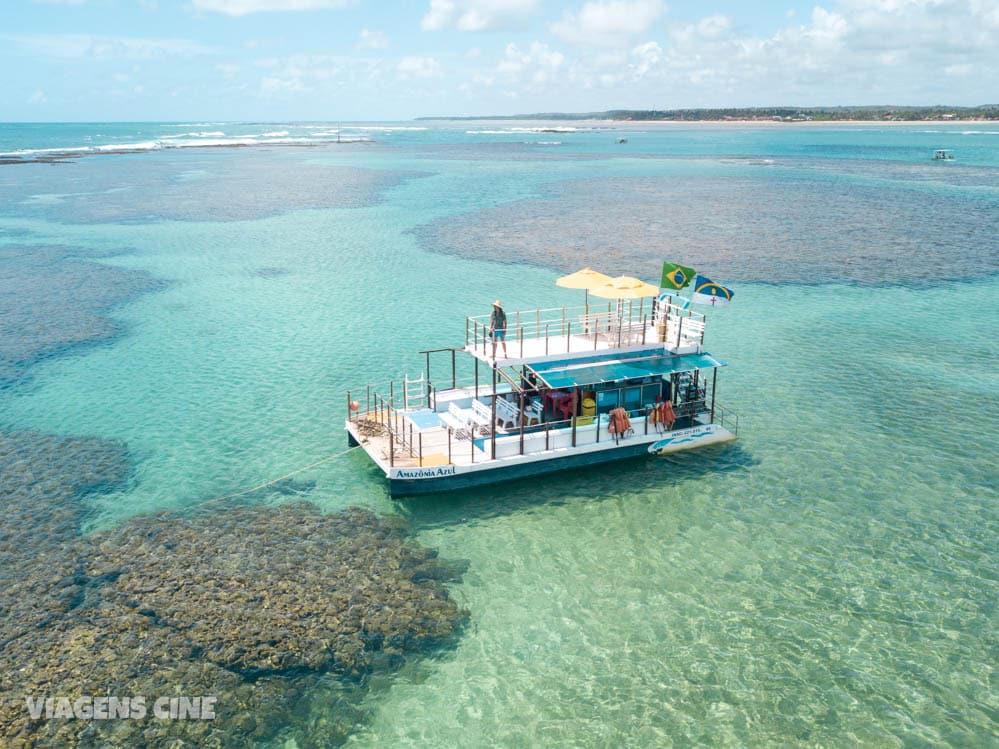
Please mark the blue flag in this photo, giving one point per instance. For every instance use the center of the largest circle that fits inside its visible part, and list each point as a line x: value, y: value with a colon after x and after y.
x: 708, y: 292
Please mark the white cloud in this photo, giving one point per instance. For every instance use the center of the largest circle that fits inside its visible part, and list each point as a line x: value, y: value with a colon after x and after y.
x: 38, y: 97
x: 271, y: 86
x: 478, y: 15
x: 245, y: 7
x: 533, y: 68
x: 959, y: 70
x: 607, y: 22
x: 372, y: 40
x: 646, y: 57
x: 317, y: 76
x: 76, y: 46
x: 851, y: 52
x: 418, y: 67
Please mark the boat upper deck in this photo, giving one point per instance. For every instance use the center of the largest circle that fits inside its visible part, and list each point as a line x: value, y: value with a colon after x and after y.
x: 569, y: 332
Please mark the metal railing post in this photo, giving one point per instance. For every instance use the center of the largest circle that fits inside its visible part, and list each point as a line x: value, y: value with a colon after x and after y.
x: 492, y: 425
x: 521, y: 422
x: 714, y: 387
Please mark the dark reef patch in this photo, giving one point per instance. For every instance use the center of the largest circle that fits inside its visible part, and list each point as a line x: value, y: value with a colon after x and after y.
x: 736, y: 229
x: 52, y: 297
x: 191, y: 185
x: 41, y: 478
x: 255, y: 605
x: 271, y: 272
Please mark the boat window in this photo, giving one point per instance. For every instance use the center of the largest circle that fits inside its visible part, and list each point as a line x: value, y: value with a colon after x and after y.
x: 633, y: 398
x: 608, y: 398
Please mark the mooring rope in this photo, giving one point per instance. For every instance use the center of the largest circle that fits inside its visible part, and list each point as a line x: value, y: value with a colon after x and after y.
x: 286, y: 476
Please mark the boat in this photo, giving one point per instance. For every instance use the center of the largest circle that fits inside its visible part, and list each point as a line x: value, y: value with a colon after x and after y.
x: 942, y: 154
x: 573, y: 387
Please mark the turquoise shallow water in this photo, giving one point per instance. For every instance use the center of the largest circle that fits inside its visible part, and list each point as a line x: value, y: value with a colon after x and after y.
x: 830, y: 579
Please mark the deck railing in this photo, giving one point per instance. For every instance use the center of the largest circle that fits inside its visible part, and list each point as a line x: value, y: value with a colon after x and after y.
x: 725, y: 417
x: 558, y: 330
x: 478, y: 444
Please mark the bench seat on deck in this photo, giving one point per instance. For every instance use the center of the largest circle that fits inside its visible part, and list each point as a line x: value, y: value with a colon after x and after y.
x: 482, y: 416
x: 507, y: 415
x: 456, y: 422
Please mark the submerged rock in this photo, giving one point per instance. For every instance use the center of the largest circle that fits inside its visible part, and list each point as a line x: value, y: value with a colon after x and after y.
x: 253, y: 605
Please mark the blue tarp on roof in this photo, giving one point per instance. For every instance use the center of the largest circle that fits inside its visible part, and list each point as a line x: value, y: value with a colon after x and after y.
x: 567, y: 374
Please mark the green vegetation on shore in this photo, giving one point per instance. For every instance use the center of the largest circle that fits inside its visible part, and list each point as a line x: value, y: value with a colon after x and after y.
x: 784, y: 114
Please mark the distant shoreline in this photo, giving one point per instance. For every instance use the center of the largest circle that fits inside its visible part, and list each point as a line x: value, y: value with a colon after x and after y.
x: 862, y: 115
x: 565, y: 124
x: 806, y: 123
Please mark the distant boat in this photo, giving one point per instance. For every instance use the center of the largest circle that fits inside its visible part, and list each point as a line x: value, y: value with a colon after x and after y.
x: 622, y: 140
x: 942, y: 154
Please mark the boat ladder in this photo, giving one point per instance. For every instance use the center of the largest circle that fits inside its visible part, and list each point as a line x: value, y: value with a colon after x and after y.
x: 415, y: 392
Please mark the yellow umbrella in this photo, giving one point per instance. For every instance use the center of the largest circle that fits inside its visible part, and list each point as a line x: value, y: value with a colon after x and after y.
x: 625, y: 287
x: 586, y: 279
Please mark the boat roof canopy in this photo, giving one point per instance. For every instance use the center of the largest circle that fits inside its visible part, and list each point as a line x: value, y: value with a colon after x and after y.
x: 595, y: 371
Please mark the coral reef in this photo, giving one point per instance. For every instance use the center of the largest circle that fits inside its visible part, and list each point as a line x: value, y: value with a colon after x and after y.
x: 52, y: 297
x: 735, y: 228
x: 194, y: 185
x: 252, y: 604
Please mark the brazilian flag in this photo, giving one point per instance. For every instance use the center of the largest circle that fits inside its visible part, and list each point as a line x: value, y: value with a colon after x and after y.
x: 676, y: 276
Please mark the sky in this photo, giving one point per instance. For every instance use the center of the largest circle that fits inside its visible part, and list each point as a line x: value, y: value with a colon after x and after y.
x: 274, y: 60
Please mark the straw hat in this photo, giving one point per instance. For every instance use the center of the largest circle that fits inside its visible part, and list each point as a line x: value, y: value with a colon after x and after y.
x: 497, y: 303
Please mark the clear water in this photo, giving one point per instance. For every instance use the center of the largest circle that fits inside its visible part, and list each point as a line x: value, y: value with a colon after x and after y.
x: 831, y: 579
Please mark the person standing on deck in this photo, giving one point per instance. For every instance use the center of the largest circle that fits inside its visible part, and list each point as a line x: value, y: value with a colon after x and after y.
x: 497, y: 327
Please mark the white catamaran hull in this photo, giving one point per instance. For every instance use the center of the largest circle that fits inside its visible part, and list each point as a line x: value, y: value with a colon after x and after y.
x: 415, y: 480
